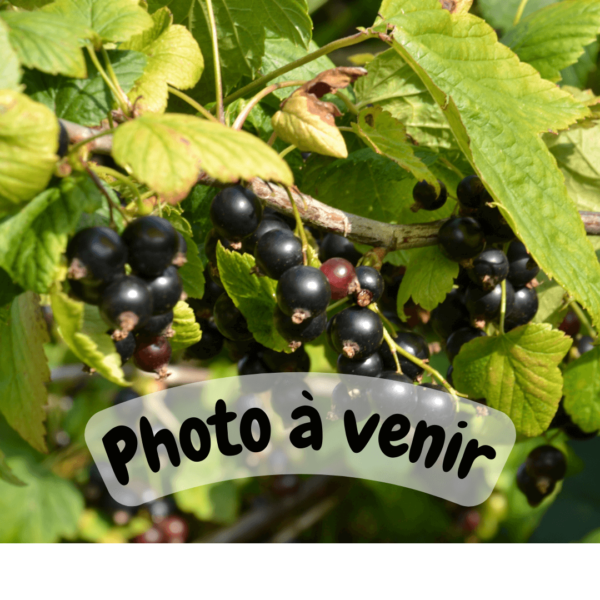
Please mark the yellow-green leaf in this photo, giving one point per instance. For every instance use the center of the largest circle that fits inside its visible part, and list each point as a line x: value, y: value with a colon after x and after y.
x: 10, y: 73
x: 187, y: 330
x: 582, y: 390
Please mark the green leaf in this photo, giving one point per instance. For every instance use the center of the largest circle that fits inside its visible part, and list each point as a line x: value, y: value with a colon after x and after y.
x: 215, y: 502
x: 24, y: 370
x: 174, y: 58
x: 551, y: 300
x: 84, y: 332
x: 500, y: 14
x: 187, y: 330
x: 497, y: 107
x: 517, y: 373
x: 387, y: 136
x: 10, y: 73
x: 175, y: 148
x: 47, y: 42
x: 393, y: 85
x: 28, y: 144
x: 6, y: 473
x: 109, y: 20
x: 253, y: 295
x: 582, y: 390
x: 429, y: 277
x: 8, y: 292
x: 554, y: 37
x: 85, y: 101
x: 33, y: 241
x: 577, y: 75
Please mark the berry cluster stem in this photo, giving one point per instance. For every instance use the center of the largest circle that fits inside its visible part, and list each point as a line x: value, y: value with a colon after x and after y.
x: 299, y: 226
x: 583, y: 319
x: 117, y: 92
x: 390, y: 342
x: 503, y: 307
x: 196, y: 105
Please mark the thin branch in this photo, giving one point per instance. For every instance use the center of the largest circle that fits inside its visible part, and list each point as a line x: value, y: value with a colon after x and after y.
x: 520, y: 11
x: 79, y: 133
x: 216, y: 61
x: 196, y: 105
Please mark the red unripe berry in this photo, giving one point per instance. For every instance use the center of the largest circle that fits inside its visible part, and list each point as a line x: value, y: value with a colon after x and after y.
x: 152, y: 536
x: 570, y: 324
x: 152, y: 354
x: 175, y: 529
x: 341, y: 276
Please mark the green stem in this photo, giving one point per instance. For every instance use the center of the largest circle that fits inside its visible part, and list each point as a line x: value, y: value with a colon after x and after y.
x: 78, y: 145
x: 349, y: 105
x: 361, y: 36
x: 98, y: 182
x: 390, y: 342
x: 106, y: 78
x: 344, y: 128
x: 584, y: 320
x: 337, y: 304
x: 216, y: 61
x: 299, y: 225
x: 385, y: 320
x: 503, y: 307
x: 520, y: 12
x: 113, y: 76
x: 203, y: 111
x: 285, y: 152
x: 119, y: 177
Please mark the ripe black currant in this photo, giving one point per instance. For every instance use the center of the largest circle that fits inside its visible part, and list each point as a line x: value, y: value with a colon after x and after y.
x: 86, y: 292
x: 525, y: 307
x: 341, y: 276
x: 356, y: 332
x: 337, y: 246
x: 460, y: 337
x: 281, y: 362
x: 450, y: 315
x: 303, y: 292
x: 158, y: 325
x: 277, y: 251
x: 585, y: 344
x: 229, y: 320
x: 546, y: 461
x: 210, y: 246
x: 203, y: 308
x: 437, y: 405
x: 370, y: 366
x: 426, y: 197
x: 286, y: 396
x: 395, y: 395
x: 267, y: 224
x: 152, y: 243
x: 235, y: 213
x: 523, y: 268
x: 461, y: 238
x: 126, y: 304
x: 489, y: 269
x: 96, y: 254
x: 371, y: 286
x: 414, y: 344
x: 165, y: 290
x: 209, y: 345
x: 471, y: 192
x: 270, y: 213
x: 252, y: 364
x: 343, y: 399
x: 125, y: 347
x: 485, y: 306
x: 152, y: 354
x: 299, y: 333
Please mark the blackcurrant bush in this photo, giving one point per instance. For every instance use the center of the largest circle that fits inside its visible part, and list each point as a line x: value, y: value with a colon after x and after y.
x: 471, y: 192
x: 450, y: 315
x: 89, y: 293
x: 235, y: 213
x: 489, y: 269
x: 395, y: 395
x: 210, y: 344
x: 277, y: 251
x: 159, y: 325
x: 437, y: 404
x: 494, y: 225
x: 414, y: 344
x: 125, y: 347
x: 152, y: 354
x: 180, y: 257
x: 229, y: 320
x: 126, y: 304
x: 585, y: 344
x: 570, y: 324
x: 546, y: 461
x: 303, y: 292
x: 356, y: 332
x: 485, y: 306
x: 371, y: 286
x: 267, y: 224
x: 370, y: 366
x: 523, y: 268
x: 426, y: 197
x: 63, y: 140
x: 525, y: 307
x: 299, y: 333
x: 343, y: 399
x: 460, y: 337
x: 281, y: 362
x: 96, y: 254
x: 152, y: 243
x: 530, y: 487
x: 337, y: 246
x: 461, y: 238
x: 341, y: 276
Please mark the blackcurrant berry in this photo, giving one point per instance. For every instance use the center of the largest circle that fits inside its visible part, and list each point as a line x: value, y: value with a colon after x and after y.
x: 523, y: 268
x: 461, y: 238
x: 525, y: 307
x: 270, y: 213
x: 165, y: 290
x: 341, y: 276
x: 585, y: 344
x: 203, y: 308
x: 286, y: 396
x: 210, y: 344
x: 436, y: 405
x: 570, y: 324
x: 337, y: 246
x: 471, y: 192
x: 396, y: 394
x: 126, y: 304
x: 277, y: 251
x: 459, y: 338
x: 281, y: 362
x: 343, y: 399
x: 370, y: 366
x: 414, y: 344
x: 125, y: 394
x: 96, y: 254
x: 299, y: 333
x: 485, y: 306
x: 159, y: 325
x: 530, y: 487
x: 152, y: 243
x: 152, y: 355
x: 63, y: 140
x: 125, y: 347
x: 229, y: 320
x: 371, y: 286
x: 426, y: 197
x: 86, y: 292
x: 180, y: 257
x: 210, y: 246
x: 235, y: 213
x: 356, y: 332
x: 449, y: 374
x: 450, y: 315
x: 563, y: 420
x: 267, y: 224
x: 489, y: 269
x: 252, y: 364
x: 546, y: 461
x: 494, y: 225
x: 303, y: 292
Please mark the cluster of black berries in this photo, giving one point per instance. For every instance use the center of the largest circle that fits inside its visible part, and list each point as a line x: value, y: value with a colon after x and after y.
x: 138, y: 307
x: 538, y: 475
